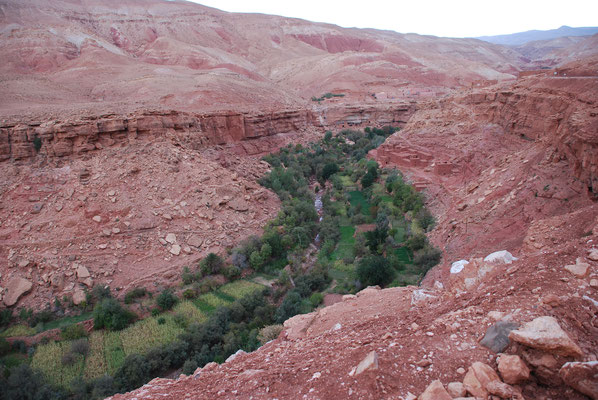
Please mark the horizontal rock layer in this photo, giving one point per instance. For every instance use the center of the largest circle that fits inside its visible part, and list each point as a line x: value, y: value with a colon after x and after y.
x: 71, y: 137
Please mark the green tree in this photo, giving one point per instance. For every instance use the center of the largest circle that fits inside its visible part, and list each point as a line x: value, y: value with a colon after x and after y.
x: 166, y: 299
x: 212, y: 264
x: 374, y: 270
x: 111, y: 315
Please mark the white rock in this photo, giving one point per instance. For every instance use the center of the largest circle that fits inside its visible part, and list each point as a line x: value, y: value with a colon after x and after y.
x: 175, y: 249
x: 171, y: 238
x: 458, y: 266
x: 97, y: 218
x: 500, y: 257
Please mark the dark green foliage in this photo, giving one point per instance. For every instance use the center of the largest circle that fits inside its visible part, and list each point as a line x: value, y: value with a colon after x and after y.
x: 41, y: 317
x: 166, y: 299
x: 5, y: 347
x: 100, y: 292
x: 376, y: 238
x: 374, y: 270
x: 27, y: 384
x: 417, y: 242
x: 426, y: 258
x: 291, y: 305
x: 329, y: 170
x: 211, y: 265
x: 135, y: 294
x: 80, y: 346
x: 425, y: 219
x: 111, y: 315
x: 190, y: 366
x: 103, y: 387
x: 134, y: 372
x: 5, y: 317
x: 37, y: 144
x: 367, y: 180
x: 72, y: 332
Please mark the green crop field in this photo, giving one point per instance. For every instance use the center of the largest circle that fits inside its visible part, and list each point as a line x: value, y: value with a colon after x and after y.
x: 95, y: 364
x: 356, y: 197
x: 345, y: 245
x: 240, y: 288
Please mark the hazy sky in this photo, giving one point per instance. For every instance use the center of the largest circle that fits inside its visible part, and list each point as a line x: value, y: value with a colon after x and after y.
x: 453, y: 18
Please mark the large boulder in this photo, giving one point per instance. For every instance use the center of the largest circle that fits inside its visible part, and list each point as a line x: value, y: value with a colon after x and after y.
x: 435, y: 391
x: 478, y: 376
x: 500, y: 257
x: 544, y: 333
x: 15, y: 288
x: 512, y: 369
x: 368, y: 363
x: 581, y: 376
x: 497, y: 336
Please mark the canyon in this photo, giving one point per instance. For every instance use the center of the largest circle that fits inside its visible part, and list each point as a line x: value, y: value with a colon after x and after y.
x: 131, y: 139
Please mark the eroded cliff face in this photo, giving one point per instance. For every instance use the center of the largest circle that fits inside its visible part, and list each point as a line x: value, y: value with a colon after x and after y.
x: 75, y: 136
x: 495, y: 161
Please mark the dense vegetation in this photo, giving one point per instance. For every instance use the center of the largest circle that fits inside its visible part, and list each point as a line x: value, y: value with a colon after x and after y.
x: 370, y: 231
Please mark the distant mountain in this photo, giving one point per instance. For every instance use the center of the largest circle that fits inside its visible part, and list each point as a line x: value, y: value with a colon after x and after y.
x: 517, y: 39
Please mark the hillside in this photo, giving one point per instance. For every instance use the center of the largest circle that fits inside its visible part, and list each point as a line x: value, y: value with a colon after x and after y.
x: 521, y: 38
x: 138, y: 138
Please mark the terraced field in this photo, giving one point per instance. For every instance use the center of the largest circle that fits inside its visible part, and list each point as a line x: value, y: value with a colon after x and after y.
x: 108, y: 350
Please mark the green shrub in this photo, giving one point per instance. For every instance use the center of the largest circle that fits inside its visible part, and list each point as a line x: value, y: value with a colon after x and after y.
x: 189, y: 367
x: 211, y: 265
x: 268, y: 333
x: 111, y: 315
x: 426, y: 258
x: 72, y: 332
x: 166, y: 300
x: 5, y: 347
x: 37, y: 143
x: 189, y: 294
x: 374, y: 270
x: 315, y: 299
x: 5, y: 317
x: 135, y: 294
x: 417, y: 242
x: 161, y: 321
x: 80, y: 346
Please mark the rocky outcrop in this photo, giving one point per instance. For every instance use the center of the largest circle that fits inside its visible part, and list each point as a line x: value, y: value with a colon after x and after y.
x: 582, y: 376
x: 545, y: 333
x: 16, y: 287
x: 77, y: 136
x: 56, y: 138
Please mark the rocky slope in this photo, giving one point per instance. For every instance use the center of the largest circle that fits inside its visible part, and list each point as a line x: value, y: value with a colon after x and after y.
x: 114, y: 56
x: 509, y: 167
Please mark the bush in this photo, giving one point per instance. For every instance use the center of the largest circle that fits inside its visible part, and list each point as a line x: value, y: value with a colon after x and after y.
x: 189, y: 367
x: 135, y: 294
x: 72, y: 332
x: 111, y: 315
x: 134, y: 372
x: 25, y: 383
x: 290, y: 306
x: 80, y: 346
x: 268, y: 333
x: 99, y: 293
x: 425, y: 219
x: 68, y: 358
x: 316, y: 298
x: 5, y: 346
x: 166, y: 300
x: 374, y: 270
x: 161, y: 321
x: 426, y: 258
x: 211, y: 265
x: 5, y: 317
x: 189, y: 294
x: 417, y: 242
